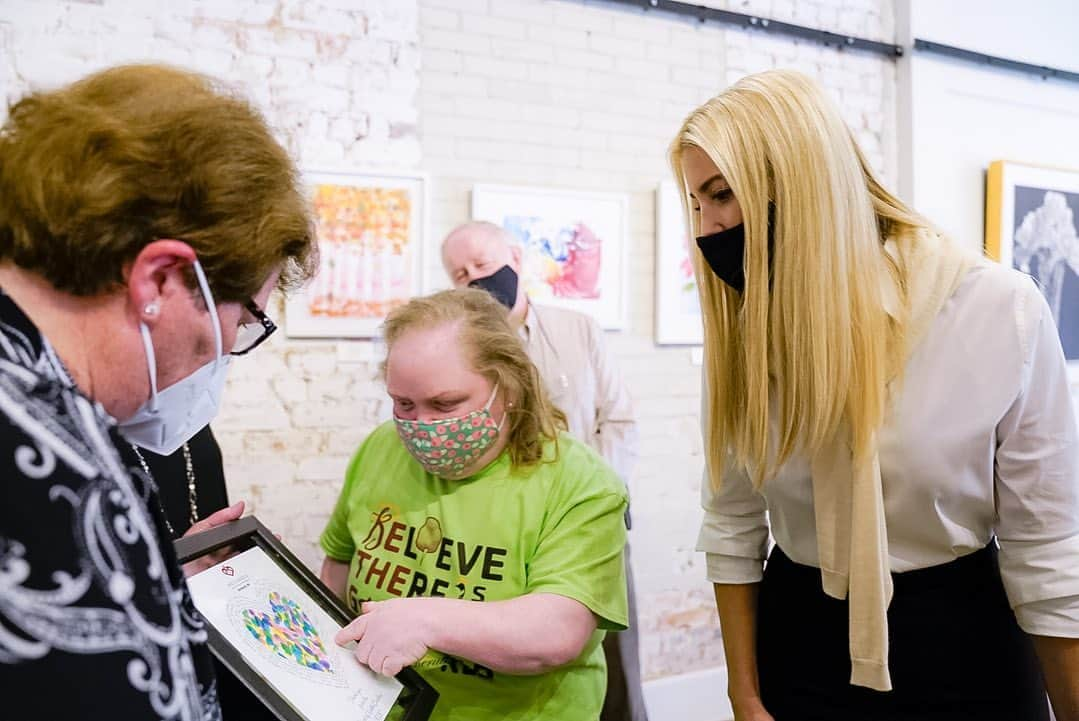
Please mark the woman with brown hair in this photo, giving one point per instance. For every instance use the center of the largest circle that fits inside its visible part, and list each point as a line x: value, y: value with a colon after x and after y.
x: 145, y: 217
x: 481, y: 543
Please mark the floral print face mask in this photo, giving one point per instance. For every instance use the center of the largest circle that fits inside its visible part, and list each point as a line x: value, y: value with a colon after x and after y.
x: 450, y: 446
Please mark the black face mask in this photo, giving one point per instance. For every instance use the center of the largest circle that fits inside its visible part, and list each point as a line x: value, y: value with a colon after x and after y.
x: 502, y: 284
x: 725, y: 252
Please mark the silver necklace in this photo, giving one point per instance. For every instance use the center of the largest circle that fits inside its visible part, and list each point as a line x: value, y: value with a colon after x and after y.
x: 192, y: 493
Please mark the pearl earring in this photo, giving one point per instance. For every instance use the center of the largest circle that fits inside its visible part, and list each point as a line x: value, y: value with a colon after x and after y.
x: 151, y: 309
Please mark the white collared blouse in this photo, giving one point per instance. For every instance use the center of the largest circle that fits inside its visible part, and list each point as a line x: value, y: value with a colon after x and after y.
x: 981, y: 443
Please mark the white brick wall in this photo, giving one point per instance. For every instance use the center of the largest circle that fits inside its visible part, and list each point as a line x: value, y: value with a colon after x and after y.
x: 564, y: 93
x: 337, y: 79
x: 541, y: 92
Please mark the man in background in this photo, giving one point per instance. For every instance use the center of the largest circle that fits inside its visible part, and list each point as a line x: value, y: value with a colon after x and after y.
x: 569, y: 350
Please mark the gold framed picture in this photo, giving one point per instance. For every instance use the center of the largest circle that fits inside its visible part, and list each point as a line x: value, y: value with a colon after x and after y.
x: 1032, y: 224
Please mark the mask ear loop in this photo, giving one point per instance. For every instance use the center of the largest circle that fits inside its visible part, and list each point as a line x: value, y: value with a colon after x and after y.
x: 490, y: 402
x: 151, y: 364
x: 209, y: 298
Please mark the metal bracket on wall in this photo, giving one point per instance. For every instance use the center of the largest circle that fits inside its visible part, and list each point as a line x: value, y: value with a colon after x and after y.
x: 1043, y: 71
x: 756, y: 22
x: 704, y: 14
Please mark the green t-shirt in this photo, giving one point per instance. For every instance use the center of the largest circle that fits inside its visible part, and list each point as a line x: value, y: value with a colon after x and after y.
x: 555, y: 527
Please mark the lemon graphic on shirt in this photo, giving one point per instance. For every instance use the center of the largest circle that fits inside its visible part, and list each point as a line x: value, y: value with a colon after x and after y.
x: 429, y: 537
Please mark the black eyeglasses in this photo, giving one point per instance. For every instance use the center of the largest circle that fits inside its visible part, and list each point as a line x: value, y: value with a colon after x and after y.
x: 250, y: 335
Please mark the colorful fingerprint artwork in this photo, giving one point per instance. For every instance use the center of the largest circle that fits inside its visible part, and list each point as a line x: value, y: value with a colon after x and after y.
x: 284, y: 636
x: 286, y: 630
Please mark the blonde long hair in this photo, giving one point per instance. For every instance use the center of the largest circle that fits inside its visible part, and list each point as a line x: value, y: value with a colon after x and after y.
x: 496, y: 352
x: 809, y: 345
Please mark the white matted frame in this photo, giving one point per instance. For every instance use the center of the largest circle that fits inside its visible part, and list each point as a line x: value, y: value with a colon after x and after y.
x: 371, y: 228
x: 678, y: 307
x: 575, y: 245
x: 284, y: 652
x: 1032, y: 223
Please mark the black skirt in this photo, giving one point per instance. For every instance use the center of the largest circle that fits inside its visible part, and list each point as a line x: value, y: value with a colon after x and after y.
x: 955, y: 649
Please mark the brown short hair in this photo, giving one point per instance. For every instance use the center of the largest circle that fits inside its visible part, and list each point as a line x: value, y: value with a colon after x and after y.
x: 495, y: 352
x: 94, y: 171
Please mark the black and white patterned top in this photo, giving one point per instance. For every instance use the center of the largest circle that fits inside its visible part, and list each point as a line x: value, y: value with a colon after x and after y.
x: 95, y: 617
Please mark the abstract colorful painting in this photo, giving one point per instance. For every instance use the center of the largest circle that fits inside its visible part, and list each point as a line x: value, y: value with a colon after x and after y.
x: 1032, y: 223
x: 370, y: 235
x: 678, y: 308
x: 574, y: 245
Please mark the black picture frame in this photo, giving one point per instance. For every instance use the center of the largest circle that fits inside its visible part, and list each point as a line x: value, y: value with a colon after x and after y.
x: 417, y: 698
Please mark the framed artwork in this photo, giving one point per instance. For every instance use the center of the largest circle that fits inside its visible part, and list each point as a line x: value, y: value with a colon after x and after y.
x: 574, y: 245
x: 678, y: 308
x: 371, y: 230
x: 1032, y: 223
x: 271, y: 622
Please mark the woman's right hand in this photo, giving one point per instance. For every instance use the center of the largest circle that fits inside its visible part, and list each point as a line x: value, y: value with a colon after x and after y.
x: 750, y: 710
x: 392, y: 634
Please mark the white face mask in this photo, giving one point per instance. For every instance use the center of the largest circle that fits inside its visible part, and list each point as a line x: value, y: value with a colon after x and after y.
x: 170, y: 418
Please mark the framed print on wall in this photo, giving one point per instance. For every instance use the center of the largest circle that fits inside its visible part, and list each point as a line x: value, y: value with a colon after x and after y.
x: 1032, y: 223
x: 574, y: 245
x: 371, y: 230
x: 678, y: 307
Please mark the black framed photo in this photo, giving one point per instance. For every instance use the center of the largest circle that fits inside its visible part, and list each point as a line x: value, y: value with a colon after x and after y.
x: 271, y: 622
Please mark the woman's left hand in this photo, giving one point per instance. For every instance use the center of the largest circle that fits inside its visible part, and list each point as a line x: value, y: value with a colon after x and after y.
x: 218, y: 518
x: 390, y: 635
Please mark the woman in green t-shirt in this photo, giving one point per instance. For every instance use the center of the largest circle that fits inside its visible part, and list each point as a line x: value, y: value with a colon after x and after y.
x: 480, y: 544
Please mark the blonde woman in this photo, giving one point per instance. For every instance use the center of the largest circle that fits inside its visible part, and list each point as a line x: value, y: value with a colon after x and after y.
x: 899, y: 409
x: 481, y: 544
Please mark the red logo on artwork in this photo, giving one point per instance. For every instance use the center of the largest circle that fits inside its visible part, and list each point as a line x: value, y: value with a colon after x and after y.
x: 227, y: 570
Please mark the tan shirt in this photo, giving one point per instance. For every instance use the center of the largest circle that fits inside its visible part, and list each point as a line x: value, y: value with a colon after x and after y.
x: 569, y: 350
